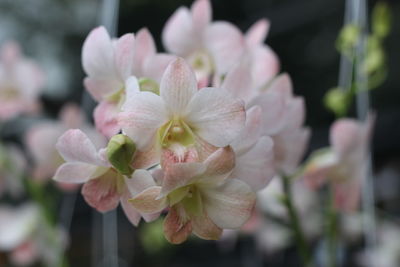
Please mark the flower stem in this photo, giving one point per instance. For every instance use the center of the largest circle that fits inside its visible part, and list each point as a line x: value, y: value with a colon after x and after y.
x: 331, y: 230
x: 297, y: 229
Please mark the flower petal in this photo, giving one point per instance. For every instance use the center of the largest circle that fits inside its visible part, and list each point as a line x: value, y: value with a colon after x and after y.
x: 143, y: 113
x: 225, y: 42
x: 140, y: 181
x: 147, y: 201
x: 156, y: 65
x: 215, y: 116
x: 204, y: 228
x: 144, y: 49
x: 101, y: 88
x: 77, y: 172
x: 347, y: 195
x: 123, y: 58
x: 229, y: 205
x: 75, y: 146
x: 131, y: 213
x: 238, y: 81
x: 102, y: 193
x: 97, y: 54
x: 178, y: 85
x: 257, y: 32
x: 256, y: 167
x: 219, y: 162
x: 177, y: 228
x: 105, y: 118
x: 178, y: 35
x: 345, y: 136
x: 201, y: 14
x: 265, y: 65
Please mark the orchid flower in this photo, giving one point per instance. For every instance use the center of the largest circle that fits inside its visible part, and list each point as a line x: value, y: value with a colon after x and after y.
x: 181, y: 113
x: 344, y: 164
x: 200, y: 197
x: 208, y: 47
x: 20, y: 83
x: 109, y: 63
x: 104, y: 187
x: 42, y: 138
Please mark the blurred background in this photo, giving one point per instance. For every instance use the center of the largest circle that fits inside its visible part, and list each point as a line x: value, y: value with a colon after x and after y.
x: 303, y: 34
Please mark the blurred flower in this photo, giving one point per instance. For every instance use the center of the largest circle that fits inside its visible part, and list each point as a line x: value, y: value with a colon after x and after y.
x: 20, y: 83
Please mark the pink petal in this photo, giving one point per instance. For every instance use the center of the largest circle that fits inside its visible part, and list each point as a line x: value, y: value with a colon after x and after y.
x: 256, y: 167
x: 106, y: 118
x: 144, y: 49
x: 72, y: 116
x: 178, y: 35
x: 229, y: 205
x: 101, y: 88
x: 295, y: 113
x: 201, y: 13
x: 131, y: 213
x: 238, y: 81
x: 178, y: 85
x: 204, y: 228
x: 148, y: 202
x: 156, y: 65
x: 10, y: 53
x: 176, y: 227
x: 123, y: 58
x: 346, y: 135
x: 318, y: 169
x: 97, y: 54
x: 257, y: 32
x: 77, y: 172
x: 102, y: 193
x: 220, y: 162
x: 26, y: 254
x: 140, y: 181
x: 225, y: 42
x: 143, y: 114
x: 75, y: 146
x: 216, y: 117
x: 265, y: 65
x: 347, y: 195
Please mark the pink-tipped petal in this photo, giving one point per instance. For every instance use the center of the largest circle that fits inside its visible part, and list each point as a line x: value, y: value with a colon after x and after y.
x: 177, y: 228
x: 131, y: 213
x: 219, y: 162
x: 265, y: 65
x: 71, y: 116
x: 102, y: 193
x: 75, y: 146
x: 346, y: 136
x: 144, y: 49
x: 101, y: 88
x: 201, y: 13
x: 123, y: 55
x: 225, y: 42
x: 142, y: 115
x: 77, y: 172
x: 178, y: 35
x: 256, y: 166
x: 204, y: 228
x: 238, y: 81
x: 216, y: 117
x: 178, y: 85
x: 148, y: 202
x: 229, y: 205
x: 156, y: 65
x: 105, y: 118
x: 257, y: 33
x: 140, y: 181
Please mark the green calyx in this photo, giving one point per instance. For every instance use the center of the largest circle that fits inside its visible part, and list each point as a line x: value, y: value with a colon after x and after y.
x: 120, y: 152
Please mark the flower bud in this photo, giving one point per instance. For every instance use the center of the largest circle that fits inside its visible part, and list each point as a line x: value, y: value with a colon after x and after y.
x: 337, y: 101
x: 120, y: 151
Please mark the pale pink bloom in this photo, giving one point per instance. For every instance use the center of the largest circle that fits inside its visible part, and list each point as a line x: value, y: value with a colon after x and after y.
x: 344, y: 164
x: 104, y: 188
x: 209, y: 47
x: 12, y: 167
x: 21, y: 80
x: 200, y: 196
x: 181, y: 113
x: 254, y: 153
x: 42, y: 138
x: 110, y: 62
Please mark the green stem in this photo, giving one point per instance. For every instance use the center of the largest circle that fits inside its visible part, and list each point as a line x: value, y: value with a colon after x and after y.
x: 298, y: 232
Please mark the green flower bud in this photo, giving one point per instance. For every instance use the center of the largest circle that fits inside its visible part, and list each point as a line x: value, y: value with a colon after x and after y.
x: 120, y: 152
x: 348, y: 38
x: 381, y: 20
x: 337, y: 101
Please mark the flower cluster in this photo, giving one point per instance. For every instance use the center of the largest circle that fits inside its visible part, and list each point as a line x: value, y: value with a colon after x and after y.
x: 191, y: 133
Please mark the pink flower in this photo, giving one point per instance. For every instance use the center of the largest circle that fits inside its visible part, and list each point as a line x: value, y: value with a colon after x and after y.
x: 208, y: 47
x: 181, y: 113
x: 20, y: 83
x: 344, y: 163
x: 104, y: 187
x: 109, y: 63
x: 200, y: 196
x: 42, y: 138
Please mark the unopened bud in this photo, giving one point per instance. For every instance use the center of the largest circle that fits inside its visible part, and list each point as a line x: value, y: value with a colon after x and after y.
x: 120, y: 152
x: 337, y: 101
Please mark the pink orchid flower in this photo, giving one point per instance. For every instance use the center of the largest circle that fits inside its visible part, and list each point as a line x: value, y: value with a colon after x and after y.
x: 42, y: 138
x: 208, y: 47
x: 20, y: 82
x: 104, y: 187
x: 109, y: 63
x: 200, y: 196
x: 181, y: 113
x: 344, y: 164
